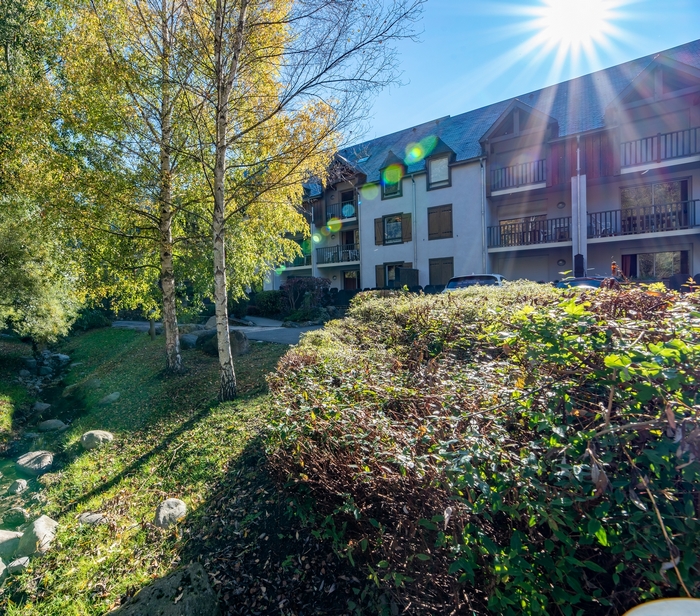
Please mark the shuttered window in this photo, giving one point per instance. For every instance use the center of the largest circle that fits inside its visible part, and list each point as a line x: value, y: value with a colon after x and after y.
x: 441, y: 270
x: 439, y: 222
x: 392, y: 229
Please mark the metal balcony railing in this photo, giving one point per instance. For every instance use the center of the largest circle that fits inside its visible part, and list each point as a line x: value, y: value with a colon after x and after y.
x: 534, y: 172
x: 660, y: 147
x: 344, y: 210
x: 644, y: 219
x: 344, y: 253
x: 304, y: 261
x: 530, y: 232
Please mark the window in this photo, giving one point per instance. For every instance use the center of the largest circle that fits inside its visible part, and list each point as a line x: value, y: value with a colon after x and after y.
x: 647, y: 195
x: 387, y: 273
x: 655, y: 265
x: 648, y: 208
x: 392, y: 178
x: 439, y: 222
x: 392, y: 229
x: 438, y: 172
x: 441, y: 270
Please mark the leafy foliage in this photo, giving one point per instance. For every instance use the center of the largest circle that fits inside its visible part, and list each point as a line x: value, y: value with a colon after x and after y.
x: 303, y: 292
x: 269, y: 303
x: 501, y: 450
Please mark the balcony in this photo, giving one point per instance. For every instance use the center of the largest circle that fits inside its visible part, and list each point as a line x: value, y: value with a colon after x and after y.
x: 647, y: 219
x: 343, y: 211
x: 660, y: 147
x: 519, y: 176
x: 345, y: 253
x: 530, y: 233
x: 304, y: 261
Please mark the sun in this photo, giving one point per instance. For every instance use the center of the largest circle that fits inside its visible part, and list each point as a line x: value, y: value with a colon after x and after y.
x: 573, y: 24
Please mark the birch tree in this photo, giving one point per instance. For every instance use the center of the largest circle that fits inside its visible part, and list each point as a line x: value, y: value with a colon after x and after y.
x: 275, y: 85
x: 120, y: 74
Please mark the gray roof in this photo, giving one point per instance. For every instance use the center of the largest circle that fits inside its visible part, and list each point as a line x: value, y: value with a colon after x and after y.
x: 578, y: 105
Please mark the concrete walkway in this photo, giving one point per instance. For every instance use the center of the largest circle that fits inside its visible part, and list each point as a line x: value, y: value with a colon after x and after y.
x: 265, y: 330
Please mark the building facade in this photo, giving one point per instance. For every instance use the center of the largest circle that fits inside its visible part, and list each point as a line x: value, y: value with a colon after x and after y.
x: 568, y: 178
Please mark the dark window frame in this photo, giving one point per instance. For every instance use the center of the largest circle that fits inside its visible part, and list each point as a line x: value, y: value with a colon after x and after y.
x: 429, y: 184
x: 401, y: 234
x: 399, y: 185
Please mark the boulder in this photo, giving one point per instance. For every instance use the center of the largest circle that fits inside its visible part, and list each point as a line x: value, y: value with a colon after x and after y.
x: 186, y: 592
x: 18, y: 486
x: 36, y: 462
x: 61, y: 358
x: 188, y: 341
x: 41, y: 407
x: 3, y: 571
x: 109, y: 398
x: 170, y: 512
x: 37, y: 537
x: 95, y: 438
x: 45, y: 371
x: 31, y: 435
x: 211, y: 323
x: 92, y: 519
x: 30, y: 363
x: 51, y: 425
x: 69, y: 391
x: 18, y: 565
x: 9, y: 540
x: 25, y: 373
x: 16, y: 516
x: 93, y: 384
x: 204, y: 336
x: 239, y: 344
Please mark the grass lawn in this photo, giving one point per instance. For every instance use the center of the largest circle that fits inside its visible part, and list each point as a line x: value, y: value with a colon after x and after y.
x: 171, y: 440
x: 12, y: 395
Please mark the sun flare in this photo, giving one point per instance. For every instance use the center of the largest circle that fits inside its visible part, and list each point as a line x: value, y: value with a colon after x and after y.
x: 573, y: 24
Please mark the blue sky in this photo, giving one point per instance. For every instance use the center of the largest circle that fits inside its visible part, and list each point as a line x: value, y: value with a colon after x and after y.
x: 472, y: 53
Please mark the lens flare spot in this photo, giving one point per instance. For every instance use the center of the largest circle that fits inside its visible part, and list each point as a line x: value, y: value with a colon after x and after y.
x: 348, y: 210
x: 306, y: 247
x: 369, y: 191
x: 325, y: 231
x: 334, y: 225
x: 392, y: 174
x: 414, y: 153
x: 280, y: 270
x: 316, y: 238
x: 428, y: 144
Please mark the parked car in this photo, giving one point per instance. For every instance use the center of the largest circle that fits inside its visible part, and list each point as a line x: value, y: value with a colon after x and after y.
x: 587, y: 282
x: 462, y: 282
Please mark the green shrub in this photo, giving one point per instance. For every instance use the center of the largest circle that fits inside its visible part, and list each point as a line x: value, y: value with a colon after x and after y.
x: 501, y: 451
x: 269, y: 303
x: 91, y: 318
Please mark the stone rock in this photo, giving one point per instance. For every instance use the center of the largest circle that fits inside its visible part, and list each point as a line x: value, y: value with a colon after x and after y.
x: 204, y: 336
x: 61, y: 358
x: 170, y: 512
x: 51, y: 425
x: 186, y: 592
x: 30, y: 363
x: 239, y: 344
x: 18, y: 486
x: 69, y: 391
x: 41, y: 407
x: 93, y: 384
x: 289, y: 324
x: 9, y: 540
x: 3, y: 571
x: 188, y: 341
x: 211, y: 323
x: 31, y: 435
x: 37, y: 537
x: 36, y: 462
x: 25, y: 373
x: 95, y: 438
x: 16, y: 516
x: 240, y: 322
x: 45, y: 371
x: 92, y: 519
x: 75, y: 364
x: 18, y: 565
x: 108, y: 399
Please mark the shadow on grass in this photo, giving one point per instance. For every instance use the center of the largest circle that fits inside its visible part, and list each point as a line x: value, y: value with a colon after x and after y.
x: 261, y: 558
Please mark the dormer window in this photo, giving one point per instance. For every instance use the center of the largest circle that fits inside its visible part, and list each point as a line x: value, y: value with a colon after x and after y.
x: 392, y: 178
x: 438, y: 172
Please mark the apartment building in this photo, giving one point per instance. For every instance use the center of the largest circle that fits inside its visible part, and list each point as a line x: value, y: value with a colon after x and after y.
x: 570, y: 177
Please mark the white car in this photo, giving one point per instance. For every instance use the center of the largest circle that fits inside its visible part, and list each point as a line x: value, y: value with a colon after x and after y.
x: 462, y: 282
